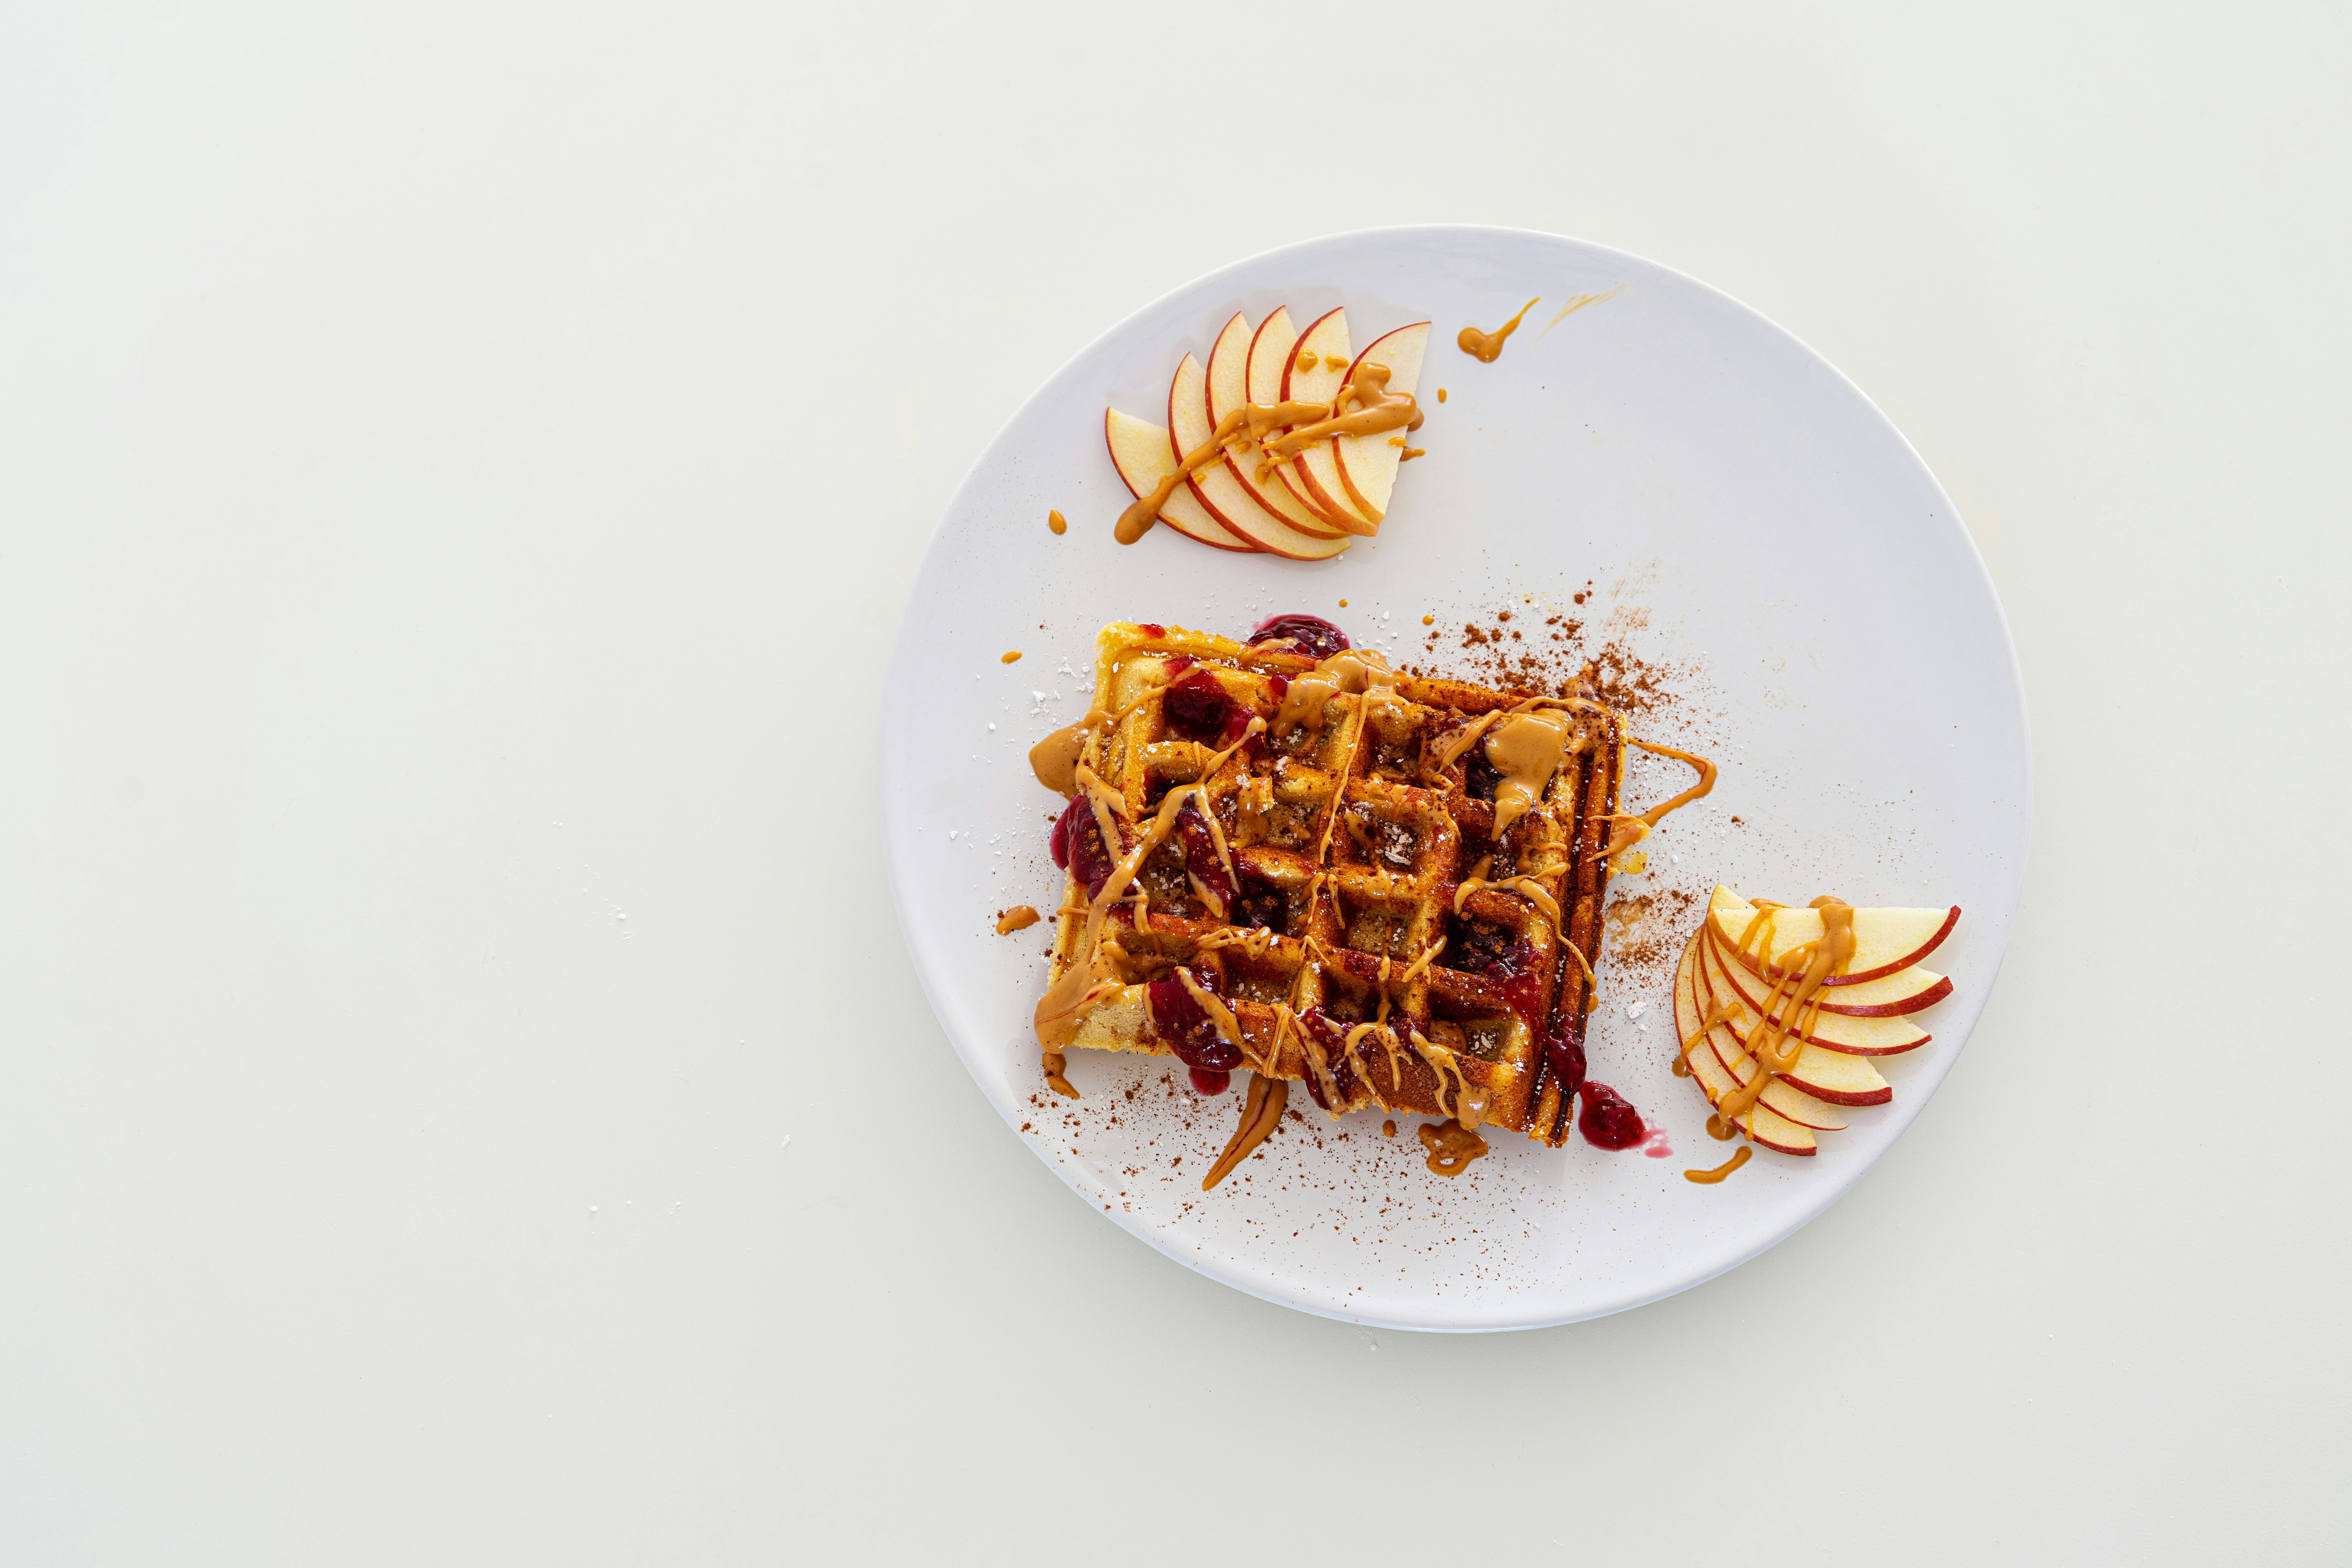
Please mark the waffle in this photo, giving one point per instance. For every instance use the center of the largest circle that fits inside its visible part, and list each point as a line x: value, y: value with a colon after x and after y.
x: 1328, y: 906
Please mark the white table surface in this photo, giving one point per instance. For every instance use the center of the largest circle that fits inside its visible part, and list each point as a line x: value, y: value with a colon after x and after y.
x: 459, y: 466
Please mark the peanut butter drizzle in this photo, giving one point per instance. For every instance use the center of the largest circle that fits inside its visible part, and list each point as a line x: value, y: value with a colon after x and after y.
x: 1303, y: 702
x: 1488, y: 346
x: 1776, y: 1039
x: 1451, y: 747
x: 1451, y: 1146
x: 1056, y: 1063
x: 1258, y: 418
x: 1388, y: 1127
x: 1055, y: 759
x: 1057, y: 522
x: 1526, y: 749
x: 1409, y: 453
x: 1350, y: 670
x: 1229, y: 1028
x: 1020, y: 917
x: 1261, y: 1114
x: 1708, y: 1178
x: 1377, y: 409
x: 1631, y: 830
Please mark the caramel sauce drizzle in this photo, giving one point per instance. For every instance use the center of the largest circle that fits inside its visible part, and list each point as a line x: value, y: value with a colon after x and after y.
x: 1377, y: 409
x: 1488, y: 346
x: 1020, y: 917
x: 1631, y: 830
x: 1778, y: 1038
x: 1261, y: 1114
x: 1303, y: 424
x: 1708, y: 1178
x: 1526, y: 749
x: 1451, y: 1146
x: 1060, y: 524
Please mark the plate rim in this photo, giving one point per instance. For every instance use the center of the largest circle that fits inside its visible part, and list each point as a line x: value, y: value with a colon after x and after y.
x: 897, y: 670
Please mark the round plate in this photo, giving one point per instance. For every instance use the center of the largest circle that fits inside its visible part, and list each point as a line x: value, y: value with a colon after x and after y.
x: 1746, y: 531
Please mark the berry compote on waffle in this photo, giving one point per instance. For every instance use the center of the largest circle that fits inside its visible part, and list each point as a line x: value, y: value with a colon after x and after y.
x: 1285, y: 858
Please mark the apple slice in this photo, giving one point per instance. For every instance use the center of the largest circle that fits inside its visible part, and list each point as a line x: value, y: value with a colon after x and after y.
x: 1898, y: 994
x: 1316, y: 369
x: 1762, y: 1125
x: 1229, y: 388
x: 1139, y: 450
x: 1828, y: 1074
x: 1871, y: 1037
x: 1886, y: 940
x: 1368, y: 464
x: 1839, y: 1078
x: 1215, y: 487
x: 1691, y: 1009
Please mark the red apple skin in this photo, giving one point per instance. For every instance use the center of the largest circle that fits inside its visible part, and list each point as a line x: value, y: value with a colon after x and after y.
x: 1858, y: 976
x: 1244, y: 471
x: 1685, y: 987
x: 1833, y: 1098
x: 1271, y: 536
x: 1794, y: 1076
x: 1883, y: 970
x: 1751, y: 1002
x: 1294, y: 476
x: 1914, y: 1003
x: 1355, y: 497
x: 1703, y: 1000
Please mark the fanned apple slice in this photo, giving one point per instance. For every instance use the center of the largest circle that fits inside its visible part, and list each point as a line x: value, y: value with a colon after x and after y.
x: 1873, y: 1037
x: 1886, y: 940
x: 1767, y: 1126
x: 1368, y: 464
x: 1229, y: 388
x: 1138, y: 450
x: 1216, y: 489
x: 1905, y: 992
x: 1763, y: 1124
x: 1839, y: 1078
x: 1316, y: 369
x: 1693, y: 1007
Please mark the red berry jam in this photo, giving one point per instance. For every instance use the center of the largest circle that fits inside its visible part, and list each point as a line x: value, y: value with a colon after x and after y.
x: 1078, y: 845
x: 1184, y: 1026
x: 1210, y: 1083
x: 1311, y: 634
x: 1202, y: 862
x: 1199, y: 709
x: 1609, y: 1121
x: 1331, y: 1037
x: 1565, y: 1055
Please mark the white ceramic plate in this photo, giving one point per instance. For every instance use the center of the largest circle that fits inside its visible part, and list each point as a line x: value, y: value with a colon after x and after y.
x: 1746, y: 521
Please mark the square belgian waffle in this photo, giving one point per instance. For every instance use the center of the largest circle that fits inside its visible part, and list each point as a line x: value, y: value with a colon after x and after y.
x: 1332, y: 892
